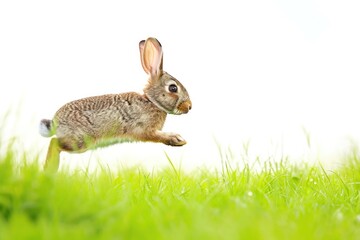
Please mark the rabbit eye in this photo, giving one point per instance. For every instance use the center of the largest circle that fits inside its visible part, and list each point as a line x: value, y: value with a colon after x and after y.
x: 173, y: 88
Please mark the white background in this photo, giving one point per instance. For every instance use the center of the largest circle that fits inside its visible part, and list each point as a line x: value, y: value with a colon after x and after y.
x: 267, y: 75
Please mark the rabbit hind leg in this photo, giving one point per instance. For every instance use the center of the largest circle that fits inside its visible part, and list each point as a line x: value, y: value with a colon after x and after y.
x: 53, y: 156
x: 58, y: 145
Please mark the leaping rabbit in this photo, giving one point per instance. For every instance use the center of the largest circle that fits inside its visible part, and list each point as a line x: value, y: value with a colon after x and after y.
x: 100, y: 121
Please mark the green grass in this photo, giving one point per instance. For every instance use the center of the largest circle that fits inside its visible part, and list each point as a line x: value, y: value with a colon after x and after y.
x: 283, y: 201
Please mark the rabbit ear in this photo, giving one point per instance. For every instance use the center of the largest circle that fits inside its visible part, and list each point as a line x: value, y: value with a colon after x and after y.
x: 151, y: 56
x: 141, y: 48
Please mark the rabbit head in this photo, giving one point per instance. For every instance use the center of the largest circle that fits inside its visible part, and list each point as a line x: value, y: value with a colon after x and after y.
x: 165, y: 91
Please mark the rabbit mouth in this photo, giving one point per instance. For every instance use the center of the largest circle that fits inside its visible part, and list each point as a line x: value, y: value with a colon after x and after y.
x: 177, y: 112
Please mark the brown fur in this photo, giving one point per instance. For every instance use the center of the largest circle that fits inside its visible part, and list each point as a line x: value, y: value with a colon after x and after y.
x: 100, y: 121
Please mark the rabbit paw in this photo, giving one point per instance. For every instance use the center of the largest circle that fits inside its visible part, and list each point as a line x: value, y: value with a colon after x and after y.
x: 176, y: 140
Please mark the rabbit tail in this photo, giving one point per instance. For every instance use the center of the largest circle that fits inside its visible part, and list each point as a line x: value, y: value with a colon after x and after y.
x: 46, y: 128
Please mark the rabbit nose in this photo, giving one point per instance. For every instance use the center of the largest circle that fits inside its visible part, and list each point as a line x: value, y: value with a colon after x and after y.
x: 185, y: 107
x: 188, y: 105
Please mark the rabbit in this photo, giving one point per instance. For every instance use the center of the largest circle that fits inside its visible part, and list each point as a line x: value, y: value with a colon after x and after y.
x: 101, y: 121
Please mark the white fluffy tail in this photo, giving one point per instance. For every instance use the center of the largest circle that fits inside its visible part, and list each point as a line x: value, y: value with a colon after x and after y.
x: 46, y: 128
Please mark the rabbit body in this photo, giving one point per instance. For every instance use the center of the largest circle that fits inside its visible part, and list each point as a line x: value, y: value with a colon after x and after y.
x: 100, y: 121
x: 104, y: 120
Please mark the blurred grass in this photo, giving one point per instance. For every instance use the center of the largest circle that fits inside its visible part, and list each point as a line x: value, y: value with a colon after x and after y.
x: 282, y: 201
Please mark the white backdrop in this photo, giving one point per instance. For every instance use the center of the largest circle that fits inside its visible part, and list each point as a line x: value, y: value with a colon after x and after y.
x: 262, y: 74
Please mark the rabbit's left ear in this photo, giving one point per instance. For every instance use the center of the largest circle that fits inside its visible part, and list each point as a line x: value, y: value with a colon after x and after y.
x: 151, y: 56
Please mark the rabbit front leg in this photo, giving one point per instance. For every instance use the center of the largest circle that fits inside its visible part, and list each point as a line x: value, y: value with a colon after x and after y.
x: 172, y: 139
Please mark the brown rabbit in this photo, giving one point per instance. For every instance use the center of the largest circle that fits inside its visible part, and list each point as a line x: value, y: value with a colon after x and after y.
x: 100, y: 121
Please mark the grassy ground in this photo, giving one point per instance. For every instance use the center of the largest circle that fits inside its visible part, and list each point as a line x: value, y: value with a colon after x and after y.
x: 281, y: 202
